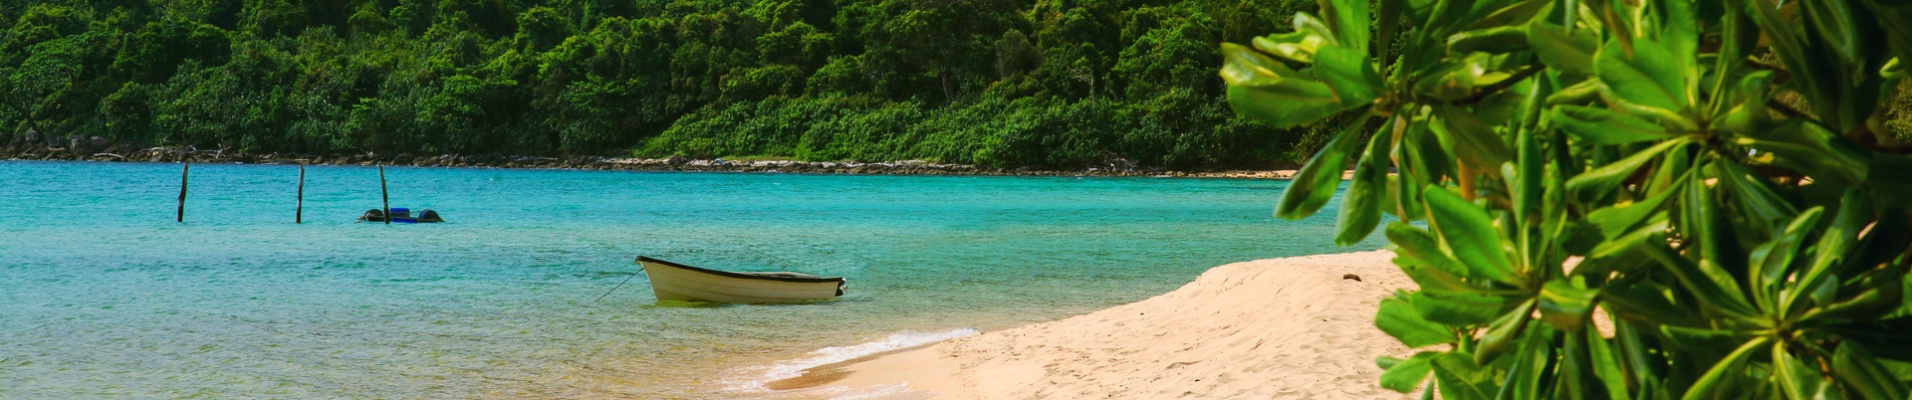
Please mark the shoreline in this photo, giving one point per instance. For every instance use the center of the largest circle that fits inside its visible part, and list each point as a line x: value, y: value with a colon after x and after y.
x: 1272, y: 328
x: 123, y: 153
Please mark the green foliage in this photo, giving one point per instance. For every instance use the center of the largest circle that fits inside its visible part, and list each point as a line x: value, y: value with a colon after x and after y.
x: 1011, y: 83
x: 1001, y: 132
x: 1616, y: 203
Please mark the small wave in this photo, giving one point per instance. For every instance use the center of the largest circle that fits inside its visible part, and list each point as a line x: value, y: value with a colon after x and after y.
x: 831, y: 355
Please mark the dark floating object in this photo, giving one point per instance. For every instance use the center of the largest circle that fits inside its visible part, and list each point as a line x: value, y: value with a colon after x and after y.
x: 401, y: 215
x: 673, y: 281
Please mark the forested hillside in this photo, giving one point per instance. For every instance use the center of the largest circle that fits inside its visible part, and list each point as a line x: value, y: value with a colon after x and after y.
x: 1045, y: 83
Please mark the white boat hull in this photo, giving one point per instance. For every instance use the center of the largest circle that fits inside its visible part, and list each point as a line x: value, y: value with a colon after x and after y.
x: 672, y: 281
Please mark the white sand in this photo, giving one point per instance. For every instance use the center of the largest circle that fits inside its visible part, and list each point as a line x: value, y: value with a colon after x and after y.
x: 1288, y: 328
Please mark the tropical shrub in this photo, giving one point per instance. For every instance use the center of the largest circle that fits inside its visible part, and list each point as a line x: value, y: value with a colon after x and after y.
x: 1607, y: 199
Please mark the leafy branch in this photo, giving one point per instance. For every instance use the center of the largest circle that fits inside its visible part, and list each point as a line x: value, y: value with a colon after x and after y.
x: 1738, y: 246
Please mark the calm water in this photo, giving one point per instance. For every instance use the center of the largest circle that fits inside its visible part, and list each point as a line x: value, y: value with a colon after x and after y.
x: 102, y: 295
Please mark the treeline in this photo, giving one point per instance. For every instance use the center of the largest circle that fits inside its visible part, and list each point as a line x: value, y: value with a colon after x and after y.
x: 1045, y: 83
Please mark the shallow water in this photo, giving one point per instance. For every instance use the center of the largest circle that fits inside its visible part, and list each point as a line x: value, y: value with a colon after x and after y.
x: 103, y: 295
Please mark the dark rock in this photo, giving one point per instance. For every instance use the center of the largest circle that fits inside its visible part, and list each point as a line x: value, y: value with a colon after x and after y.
x: 677, y: 161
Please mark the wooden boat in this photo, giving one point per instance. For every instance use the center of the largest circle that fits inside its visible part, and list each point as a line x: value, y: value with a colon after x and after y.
x: 673, y: 281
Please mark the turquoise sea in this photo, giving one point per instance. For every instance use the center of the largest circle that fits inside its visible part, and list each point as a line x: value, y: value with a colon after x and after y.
x: 103, y: 295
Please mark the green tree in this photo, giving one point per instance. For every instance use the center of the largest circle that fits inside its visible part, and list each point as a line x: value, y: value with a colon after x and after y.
x: 33, y: 88
x: 1588, y: 164
x: 1104, y: 79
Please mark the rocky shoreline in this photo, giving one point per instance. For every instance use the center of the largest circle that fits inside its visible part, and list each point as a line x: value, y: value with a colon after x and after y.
x: 96, y: 149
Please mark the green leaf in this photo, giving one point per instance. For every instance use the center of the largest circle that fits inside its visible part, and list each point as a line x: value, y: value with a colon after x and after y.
x: 1837, y: 27
x: 1497, y: 40
x: 1814, y: 74
x: 1361, y: 205
x: 1622, y: 218
x: 1299, y: 46
x: 1681, y: 34
x: 1649, y: 76
x: 1529, y: 365
x: 1624, y: 252
x: 1602, y: 126
x: 1896, y: 19
x: 1305, y: 22
x: 1877, y: 293
x: 1315, y: 184
x: 1566, y: 305
x: 1855, y: 211
x: 1410, y: 241
x: 1580, y: 93
x: 1607, y: 178
x: 1398, y: 318
x: 1704, y: 387
x: 1772, y: 262
x: 1606, y: 363
x: 1504, y: 332
x: 1569, y: 53
x: 1686, y: 337
x: 1350, y: 23
x: 1430, y: 278
x: 1808, y: 148
x: 1474, y: 141
x: 1405, y: 375
x: 1388, y: 15
x: 1424, y: 161
x: 1712, y: 287
x: 1347, y: 71
x: 1469, y: 234
x: 1287, y: 104
x: 1453, y: 80
x: 1746, y: 110
x: 1674, y: 120
x: 1461, y: 379
x: 1460, y: 309
x: 1800, y: 381
x: 1447, y: 16
x: 1242, y: 66
x: 1526, y: 176
x: 1851, y: 364
x: 1515, y: 14
x: 1754, y: 196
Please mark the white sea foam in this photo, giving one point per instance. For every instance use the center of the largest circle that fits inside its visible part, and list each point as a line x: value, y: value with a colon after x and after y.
x: 755, y: 377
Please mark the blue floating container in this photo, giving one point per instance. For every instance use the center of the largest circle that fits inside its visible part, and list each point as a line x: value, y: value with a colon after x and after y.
x: 401, y: 213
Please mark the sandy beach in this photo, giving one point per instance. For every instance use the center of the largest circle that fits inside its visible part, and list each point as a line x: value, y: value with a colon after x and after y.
x: 1292, y: 328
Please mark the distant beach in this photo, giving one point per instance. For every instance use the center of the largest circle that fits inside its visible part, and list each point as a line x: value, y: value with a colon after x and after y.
x: 1300, y: 327
x: 114, y: 152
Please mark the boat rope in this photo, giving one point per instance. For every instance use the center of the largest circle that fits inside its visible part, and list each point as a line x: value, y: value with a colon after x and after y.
x: 627, y: 279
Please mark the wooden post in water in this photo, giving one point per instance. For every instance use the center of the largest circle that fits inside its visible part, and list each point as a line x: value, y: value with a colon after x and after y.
x: 298, y: 212
x: 385, y: 196
x: 181, y: 216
